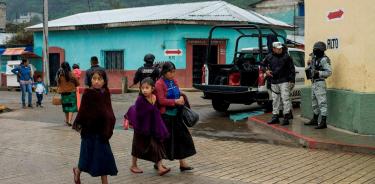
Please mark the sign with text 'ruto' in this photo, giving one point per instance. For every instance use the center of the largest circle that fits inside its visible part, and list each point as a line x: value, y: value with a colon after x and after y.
x: 173, y: 52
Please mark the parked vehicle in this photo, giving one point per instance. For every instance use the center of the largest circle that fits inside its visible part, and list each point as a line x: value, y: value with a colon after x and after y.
x: 243, y: 81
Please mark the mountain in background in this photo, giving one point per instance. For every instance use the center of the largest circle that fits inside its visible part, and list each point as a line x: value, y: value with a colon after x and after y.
x: 62, y: 8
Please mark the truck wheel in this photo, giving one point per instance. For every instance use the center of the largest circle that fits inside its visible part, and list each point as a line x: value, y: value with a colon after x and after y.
x: 220, y: 105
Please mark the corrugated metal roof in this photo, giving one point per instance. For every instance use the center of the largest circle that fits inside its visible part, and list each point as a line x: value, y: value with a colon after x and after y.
x: 211, y: 11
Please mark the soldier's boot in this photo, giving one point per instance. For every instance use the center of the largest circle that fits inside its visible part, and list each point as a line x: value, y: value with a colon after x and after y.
x: 323, y: 123
x: 281, y: 114
x: 313, y: 121
x: 274, y: 120
x: 286, y: 119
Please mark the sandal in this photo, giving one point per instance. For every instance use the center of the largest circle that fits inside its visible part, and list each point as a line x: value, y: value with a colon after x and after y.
x: 76, y: 180
x: 164, y: 172
x: 135, y: 171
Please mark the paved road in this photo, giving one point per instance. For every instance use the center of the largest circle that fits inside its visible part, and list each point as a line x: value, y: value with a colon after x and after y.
x: 36, y: 147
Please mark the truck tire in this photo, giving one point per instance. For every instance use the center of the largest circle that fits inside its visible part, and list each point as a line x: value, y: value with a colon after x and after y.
x: 220, y: 105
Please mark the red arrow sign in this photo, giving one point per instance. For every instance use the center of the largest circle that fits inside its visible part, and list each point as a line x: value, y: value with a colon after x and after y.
x: 173, y: 52
x: 335, y: 14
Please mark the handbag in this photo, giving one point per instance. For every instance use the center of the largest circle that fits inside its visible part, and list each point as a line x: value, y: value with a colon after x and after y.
x: 56, y: 100
x: 189, y: 117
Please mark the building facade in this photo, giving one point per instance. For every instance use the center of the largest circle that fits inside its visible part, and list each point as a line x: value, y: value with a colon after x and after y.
x: 121, y: 44
x: 346, y: 28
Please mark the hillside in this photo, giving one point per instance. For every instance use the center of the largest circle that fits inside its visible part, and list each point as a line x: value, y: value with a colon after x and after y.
x: 61, y: 8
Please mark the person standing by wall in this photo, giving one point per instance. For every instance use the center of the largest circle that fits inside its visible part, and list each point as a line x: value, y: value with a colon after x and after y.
x: 280, y: 68
x: 319, y: 69
x: 66, y: 86
x: 147, y: 70
x: 25, y: 75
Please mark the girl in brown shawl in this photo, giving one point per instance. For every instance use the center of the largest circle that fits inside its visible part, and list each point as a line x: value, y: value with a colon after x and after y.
x: 95, y: 121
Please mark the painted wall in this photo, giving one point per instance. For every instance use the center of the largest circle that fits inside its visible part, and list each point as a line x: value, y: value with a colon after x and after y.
x: 351, y: 94
x: 136, y: 42
x: 352, y: 62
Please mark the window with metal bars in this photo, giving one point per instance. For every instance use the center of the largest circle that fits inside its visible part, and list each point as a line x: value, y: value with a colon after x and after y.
x: 114, y: 60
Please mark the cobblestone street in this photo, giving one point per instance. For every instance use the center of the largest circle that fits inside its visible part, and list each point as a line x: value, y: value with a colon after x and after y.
x: 35, y: 152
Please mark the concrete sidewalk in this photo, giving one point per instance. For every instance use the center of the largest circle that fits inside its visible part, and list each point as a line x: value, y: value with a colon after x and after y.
x: 44, y: 153
x: 330, y: 139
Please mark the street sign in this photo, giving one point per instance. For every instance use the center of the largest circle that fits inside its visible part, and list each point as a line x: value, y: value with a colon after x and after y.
x: 173, y: 52
x: 334, y: 15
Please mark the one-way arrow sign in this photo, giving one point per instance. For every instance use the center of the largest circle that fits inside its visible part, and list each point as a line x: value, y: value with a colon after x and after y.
x: 338, y: 14
x: 173, y: 52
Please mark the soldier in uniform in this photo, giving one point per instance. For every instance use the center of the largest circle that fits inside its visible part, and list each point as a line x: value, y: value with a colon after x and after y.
x: 319, y: 69
x: 280, y: 68
x: 147, y: 70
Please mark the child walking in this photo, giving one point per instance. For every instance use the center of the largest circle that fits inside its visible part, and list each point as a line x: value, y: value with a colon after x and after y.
x: 95, y: 121
x: 149, y: 129
x: 40, y: 89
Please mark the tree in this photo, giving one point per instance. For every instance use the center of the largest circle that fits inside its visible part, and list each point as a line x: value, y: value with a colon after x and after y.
x: 22, y: 37
x: 115, y: 4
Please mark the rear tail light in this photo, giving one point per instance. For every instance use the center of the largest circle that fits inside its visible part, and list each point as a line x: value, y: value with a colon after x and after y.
x: 261, y: 78
x: 234, y: 79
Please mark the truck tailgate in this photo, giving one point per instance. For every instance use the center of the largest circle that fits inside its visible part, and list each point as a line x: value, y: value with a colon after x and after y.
x: 223, y: 88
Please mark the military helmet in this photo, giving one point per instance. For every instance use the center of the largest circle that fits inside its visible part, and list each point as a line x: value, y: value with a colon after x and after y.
x: 320, y: 45
x: 149, y: 58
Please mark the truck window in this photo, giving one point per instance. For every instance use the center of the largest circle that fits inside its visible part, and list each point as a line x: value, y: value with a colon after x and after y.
x: 298, y: 58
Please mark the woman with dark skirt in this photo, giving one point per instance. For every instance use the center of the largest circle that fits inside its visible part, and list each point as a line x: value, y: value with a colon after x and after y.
x: 95, y: 121
x: 149, y: 129
x: 180, y: 143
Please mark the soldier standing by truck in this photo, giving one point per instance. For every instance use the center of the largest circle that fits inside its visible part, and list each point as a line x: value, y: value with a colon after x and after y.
x: 319, y: 69
x: 279, y: 66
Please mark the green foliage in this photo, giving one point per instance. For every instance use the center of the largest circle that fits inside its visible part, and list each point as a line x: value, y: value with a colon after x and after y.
x: 61, y: 8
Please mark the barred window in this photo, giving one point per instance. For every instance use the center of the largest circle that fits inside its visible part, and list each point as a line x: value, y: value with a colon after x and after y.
x: 114, y: 60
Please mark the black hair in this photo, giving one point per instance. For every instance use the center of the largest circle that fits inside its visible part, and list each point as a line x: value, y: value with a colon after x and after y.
x: 94, y: 60
x: 66, y: 70
x: 102, y: 74
x: 167, y: 67
x: 38, y: 76
x: 147, y: 80
x: 75, y: 66
x: 23, y: 61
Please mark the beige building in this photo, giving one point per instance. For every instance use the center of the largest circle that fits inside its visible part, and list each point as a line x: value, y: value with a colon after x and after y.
x: 347, y: 28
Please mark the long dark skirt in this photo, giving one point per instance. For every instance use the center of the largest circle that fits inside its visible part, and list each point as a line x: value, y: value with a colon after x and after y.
x: 180, y: 144
x: 96, y: 157
x: 147, y: 148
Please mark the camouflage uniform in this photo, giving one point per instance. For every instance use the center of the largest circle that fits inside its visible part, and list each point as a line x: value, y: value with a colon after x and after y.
x: 320, y: 68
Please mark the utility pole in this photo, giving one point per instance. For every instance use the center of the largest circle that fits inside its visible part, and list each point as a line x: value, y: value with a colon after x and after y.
x: 45, y: 44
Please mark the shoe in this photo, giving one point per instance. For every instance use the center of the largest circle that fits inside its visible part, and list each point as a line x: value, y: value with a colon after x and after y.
x: 24, y: 106
x: 182, y: 169
x: 285, y: 122
x: 281, y: 114
x: 313, y: 121
x: 67, y: 123
x: 323, y: 123
x: 164, y: 172
x: 76, y: 181
x: 30, y: 106
x: 37, y: 105
x: 274, y: 120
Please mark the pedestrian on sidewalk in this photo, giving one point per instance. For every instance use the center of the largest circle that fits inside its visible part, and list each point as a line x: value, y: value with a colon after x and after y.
x: 66, y: 86
x: 149, y: 129
x: 25, y: 76
x: 94, y: 66
x: 40, y: 90
x: 319, y: 69
x: 180, y: 143
x: 95, y: 122
x: 279, y: 67
x: 147, y: 70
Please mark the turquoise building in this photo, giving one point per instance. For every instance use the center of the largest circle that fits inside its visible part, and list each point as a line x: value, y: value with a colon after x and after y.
x: 176, y: 32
